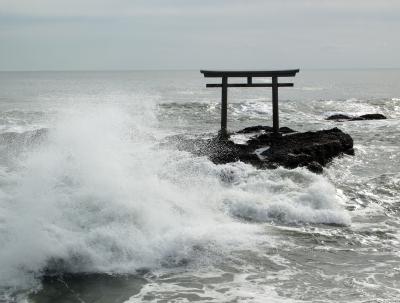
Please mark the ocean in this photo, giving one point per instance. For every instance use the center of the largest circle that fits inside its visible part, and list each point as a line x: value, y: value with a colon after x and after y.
x: 95, y: 207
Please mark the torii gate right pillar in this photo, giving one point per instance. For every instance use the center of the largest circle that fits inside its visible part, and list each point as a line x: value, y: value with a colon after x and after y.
x: 275, y: 109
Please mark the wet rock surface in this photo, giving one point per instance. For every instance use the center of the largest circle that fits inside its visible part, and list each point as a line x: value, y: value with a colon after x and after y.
x: 341, y: 117
x: 263, y: 149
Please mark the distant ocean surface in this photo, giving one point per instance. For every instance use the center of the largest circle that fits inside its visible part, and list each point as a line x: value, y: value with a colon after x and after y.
x: 94, y: 208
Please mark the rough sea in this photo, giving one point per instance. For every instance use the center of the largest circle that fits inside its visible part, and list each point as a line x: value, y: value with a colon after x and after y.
x: 95, y: 208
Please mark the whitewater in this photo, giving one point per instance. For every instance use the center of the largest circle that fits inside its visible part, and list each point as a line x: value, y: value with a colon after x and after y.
x: 96, y: 207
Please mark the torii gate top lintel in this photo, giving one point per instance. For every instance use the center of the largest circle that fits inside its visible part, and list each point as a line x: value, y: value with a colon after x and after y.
x: 274, y: 74
x: 249, y: 73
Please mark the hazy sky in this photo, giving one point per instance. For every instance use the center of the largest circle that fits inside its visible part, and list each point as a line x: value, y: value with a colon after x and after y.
x: 193, y: 34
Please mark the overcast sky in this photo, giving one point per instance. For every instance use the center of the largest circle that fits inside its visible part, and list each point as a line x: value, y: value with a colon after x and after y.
x: 193, y: 34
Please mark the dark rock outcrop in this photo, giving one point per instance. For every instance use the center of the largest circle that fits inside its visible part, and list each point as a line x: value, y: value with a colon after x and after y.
x: 338, y: 117
x: 372, y: 117
x: 265, y: 150
x: 315, y: 167
x: 341, y: 117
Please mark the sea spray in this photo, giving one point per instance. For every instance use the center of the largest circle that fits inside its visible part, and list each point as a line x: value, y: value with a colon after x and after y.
x: 98, y: 194
x: 90, y: 199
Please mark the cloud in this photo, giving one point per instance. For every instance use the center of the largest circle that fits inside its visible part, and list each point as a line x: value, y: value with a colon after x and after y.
x: 133, y: 34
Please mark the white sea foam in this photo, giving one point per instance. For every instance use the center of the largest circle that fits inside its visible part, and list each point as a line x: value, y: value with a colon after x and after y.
x: 98, y: 195
x: 241, y: 287
x: 309, y: 88
x: 254, y: 108
x: 291, y: 198
x: 241, y: 138
x: 259, y: 152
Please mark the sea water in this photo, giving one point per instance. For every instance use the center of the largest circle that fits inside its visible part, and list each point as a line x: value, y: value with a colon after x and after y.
x: 94, y: 207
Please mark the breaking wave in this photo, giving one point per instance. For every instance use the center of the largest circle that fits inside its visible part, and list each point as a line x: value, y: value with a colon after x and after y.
x: 97, y: 193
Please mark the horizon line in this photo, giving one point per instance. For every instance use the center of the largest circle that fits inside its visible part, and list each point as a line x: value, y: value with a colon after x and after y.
x: 190, y: 69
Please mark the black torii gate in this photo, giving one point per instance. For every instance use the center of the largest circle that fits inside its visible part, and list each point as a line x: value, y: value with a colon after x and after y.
x: 249, y: 75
